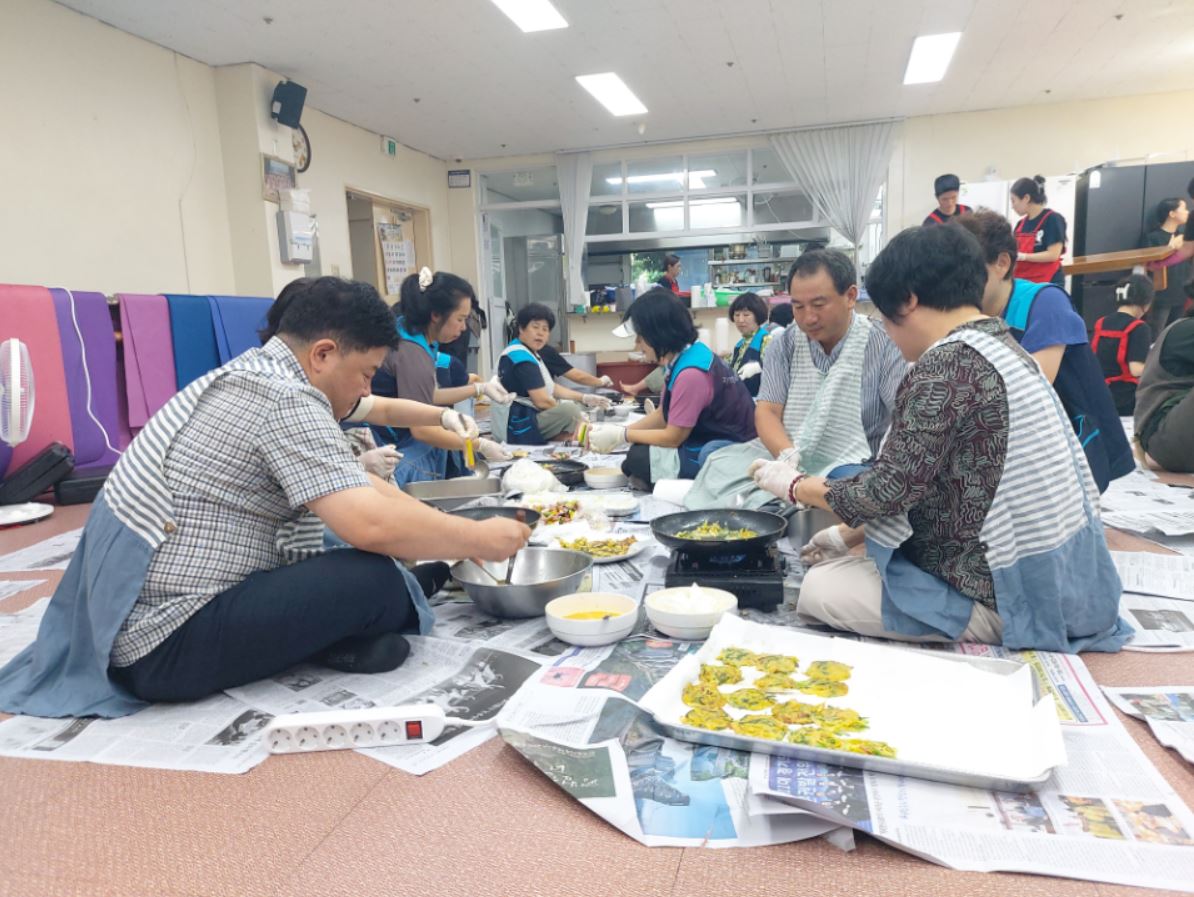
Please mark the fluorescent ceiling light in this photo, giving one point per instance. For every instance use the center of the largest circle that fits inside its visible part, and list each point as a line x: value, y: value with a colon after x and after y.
x: 612, y: 93
x: 694, y: 178
x: 930, y: 57
x: 532, y: 15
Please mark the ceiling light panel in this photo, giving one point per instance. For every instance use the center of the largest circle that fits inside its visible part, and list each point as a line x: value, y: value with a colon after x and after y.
x: 931, y: 55
x: 532, y: 15
x: 612, y: 93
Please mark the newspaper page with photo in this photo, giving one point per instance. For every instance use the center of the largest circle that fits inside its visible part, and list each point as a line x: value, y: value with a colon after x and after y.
x: 1168, y: 709
x: 465, y: 680
x: 1107, y: 816
x: 607, y: 753
x: 1161, y: 624
x: 218, y: 734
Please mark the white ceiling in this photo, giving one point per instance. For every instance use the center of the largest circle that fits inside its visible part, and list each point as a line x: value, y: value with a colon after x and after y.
x: 457, y: 79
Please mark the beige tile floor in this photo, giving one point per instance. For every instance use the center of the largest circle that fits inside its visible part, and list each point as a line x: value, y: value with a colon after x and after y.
x: 487, y: 824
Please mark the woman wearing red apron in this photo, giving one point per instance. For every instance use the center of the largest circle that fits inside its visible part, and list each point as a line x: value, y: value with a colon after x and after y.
x: 1040, y: 234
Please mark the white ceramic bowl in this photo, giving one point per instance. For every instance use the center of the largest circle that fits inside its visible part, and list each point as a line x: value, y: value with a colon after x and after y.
x: 623, y: 611
x: 667, y: 612
x: 605, y: 478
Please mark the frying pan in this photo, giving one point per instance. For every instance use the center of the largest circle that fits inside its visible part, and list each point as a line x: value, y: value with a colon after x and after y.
x: 770, y: 527
x: 570, y: 473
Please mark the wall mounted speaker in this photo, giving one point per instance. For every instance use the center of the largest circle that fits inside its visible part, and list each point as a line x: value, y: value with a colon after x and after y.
x: 287, y: 103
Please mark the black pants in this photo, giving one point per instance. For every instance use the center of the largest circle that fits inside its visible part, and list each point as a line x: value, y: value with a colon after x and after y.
x: 272, y: 621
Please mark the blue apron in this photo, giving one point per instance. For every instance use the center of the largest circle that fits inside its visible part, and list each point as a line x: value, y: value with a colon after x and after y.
x: 746, y: 352
x: 522, y: 428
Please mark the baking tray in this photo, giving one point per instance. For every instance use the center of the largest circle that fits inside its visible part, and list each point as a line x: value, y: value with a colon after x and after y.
x: 449, y: 494
x: 732, y: 630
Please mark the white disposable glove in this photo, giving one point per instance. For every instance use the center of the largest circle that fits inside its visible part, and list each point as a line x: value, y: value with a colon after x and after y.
x: 592, y: 400
x: 648, y: 406
x: 775, y: 477
x: 790, y: 456
x: 825, y: 546
x: 750, y: 369
x: 460, y: 424
x: 606, y: 381
x: 492, y: 451
x: 604, y: 438
x: 381, y: 461
x: 494, y: 390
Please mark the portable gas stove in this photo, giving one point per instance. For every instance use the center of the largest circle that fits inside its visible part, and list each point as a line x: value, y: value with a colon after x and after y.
x: 756, y: 577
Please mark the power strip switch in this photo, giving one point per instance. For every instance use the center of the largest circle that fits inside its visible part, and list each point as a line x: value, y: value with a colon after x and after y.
x: 332, y: 730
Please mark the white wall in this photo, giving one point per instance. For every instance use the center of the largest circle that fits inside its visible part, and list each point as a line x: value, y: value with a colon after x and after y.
x: 127, y: 167
x: 110, y: 160
x: 1052, y: 139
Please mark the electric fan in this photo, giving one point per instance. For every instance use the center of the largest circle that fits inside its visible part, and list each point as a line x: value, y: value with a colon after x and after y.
x: 16, y: 417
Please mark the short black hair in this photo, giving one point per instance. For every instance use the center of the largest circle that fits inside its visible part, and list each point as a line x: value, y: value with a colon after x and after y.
x: 994, y: 235
x: 536, y: 311
x: 1135, y: 289
x: 942, y: 266
x: 348, y: 311
x: 1164, y: 208
x: 274, y: 315
x: 781, y: 314
x: 670, y: 259
x: 441, y: 297
x: 662, y: 321
x: 836, y: 262
x: 752, y: 303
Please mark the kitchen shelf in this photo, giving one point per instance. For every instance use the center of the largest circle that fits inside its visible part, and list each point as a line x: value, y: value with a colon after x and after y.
x: 734, y: 286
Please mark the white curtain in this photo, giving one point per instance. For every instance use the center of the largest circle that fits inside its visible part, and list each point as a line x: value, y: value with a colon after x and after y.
x: 841, y: 170
x: 574, y: 171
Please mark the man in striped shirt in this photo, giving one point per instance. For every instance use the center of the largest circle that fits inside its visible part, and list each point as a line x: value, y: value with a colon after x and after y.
x: 202, y: 567
x: 824, y: 292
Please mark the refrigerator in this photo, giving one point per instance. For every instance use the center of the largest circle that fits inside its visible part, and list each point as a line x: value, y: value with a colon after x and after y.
x: 1113, y: 207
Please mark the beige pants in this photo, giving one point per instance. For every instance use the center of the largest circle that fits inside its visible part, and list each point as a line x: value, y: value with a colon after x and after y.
x: 847, y: 593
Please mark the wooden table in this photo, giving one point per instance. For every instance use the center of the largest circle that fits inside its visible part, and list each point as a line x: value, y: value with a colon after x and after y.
x: 1124, y: 260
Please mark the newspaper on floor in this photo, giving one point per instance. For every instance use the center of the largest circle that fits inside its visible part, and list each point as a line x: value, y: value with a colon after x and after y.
x: 466, y: 680
x: 18, y: 630
x: 50, y: 554
x: 578, y: 723
x: 1181, y: 544
x: 1168, y: 523
x: 1142, y: 492
x: 1161, y: 624
x: 1108, y: 816
x: 1148, y: 573
x: 218, y: 734
x: 1168, y: 710
x: 10, y: 587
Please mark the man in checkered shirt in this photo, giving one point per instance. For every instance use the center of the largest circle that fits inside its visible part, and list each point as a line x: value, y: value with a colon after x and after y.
x: 201, y: 566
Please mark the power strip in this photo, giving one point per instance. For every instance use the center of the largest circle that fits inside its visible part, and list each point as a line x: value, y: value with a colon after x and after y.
x: 333, y: 730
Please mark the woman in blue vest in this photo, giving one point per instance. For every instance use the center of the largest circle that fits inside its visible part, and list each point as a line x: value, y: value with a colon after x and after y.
x: 1042, y: 319
x: 704, y: 405
x: 542, y: 409
x: 433, y: 307
x: 749, y: 313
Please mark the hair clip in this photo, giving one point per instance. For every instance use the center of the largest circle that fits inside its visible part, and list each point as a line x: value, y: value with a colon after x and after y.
x: 425, y: 278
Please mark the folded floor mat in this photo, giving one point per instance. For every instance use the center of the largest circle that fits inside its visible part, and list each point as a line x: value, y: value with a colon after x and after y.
x: 236, y: 321
x: 194, y: 339
x: 28, y: 314
x: 149, y: 374
x: 89, y: 355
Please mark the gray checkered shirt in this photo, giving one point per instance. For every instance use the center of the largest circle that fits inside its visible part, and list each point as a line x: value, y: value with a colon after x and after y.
x: 257, y: 447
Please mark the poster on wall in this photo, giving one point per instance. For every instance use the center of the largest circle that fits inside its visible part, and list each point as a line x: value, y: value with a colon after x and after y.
x: 276, y: 174
x: 397, y: 256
